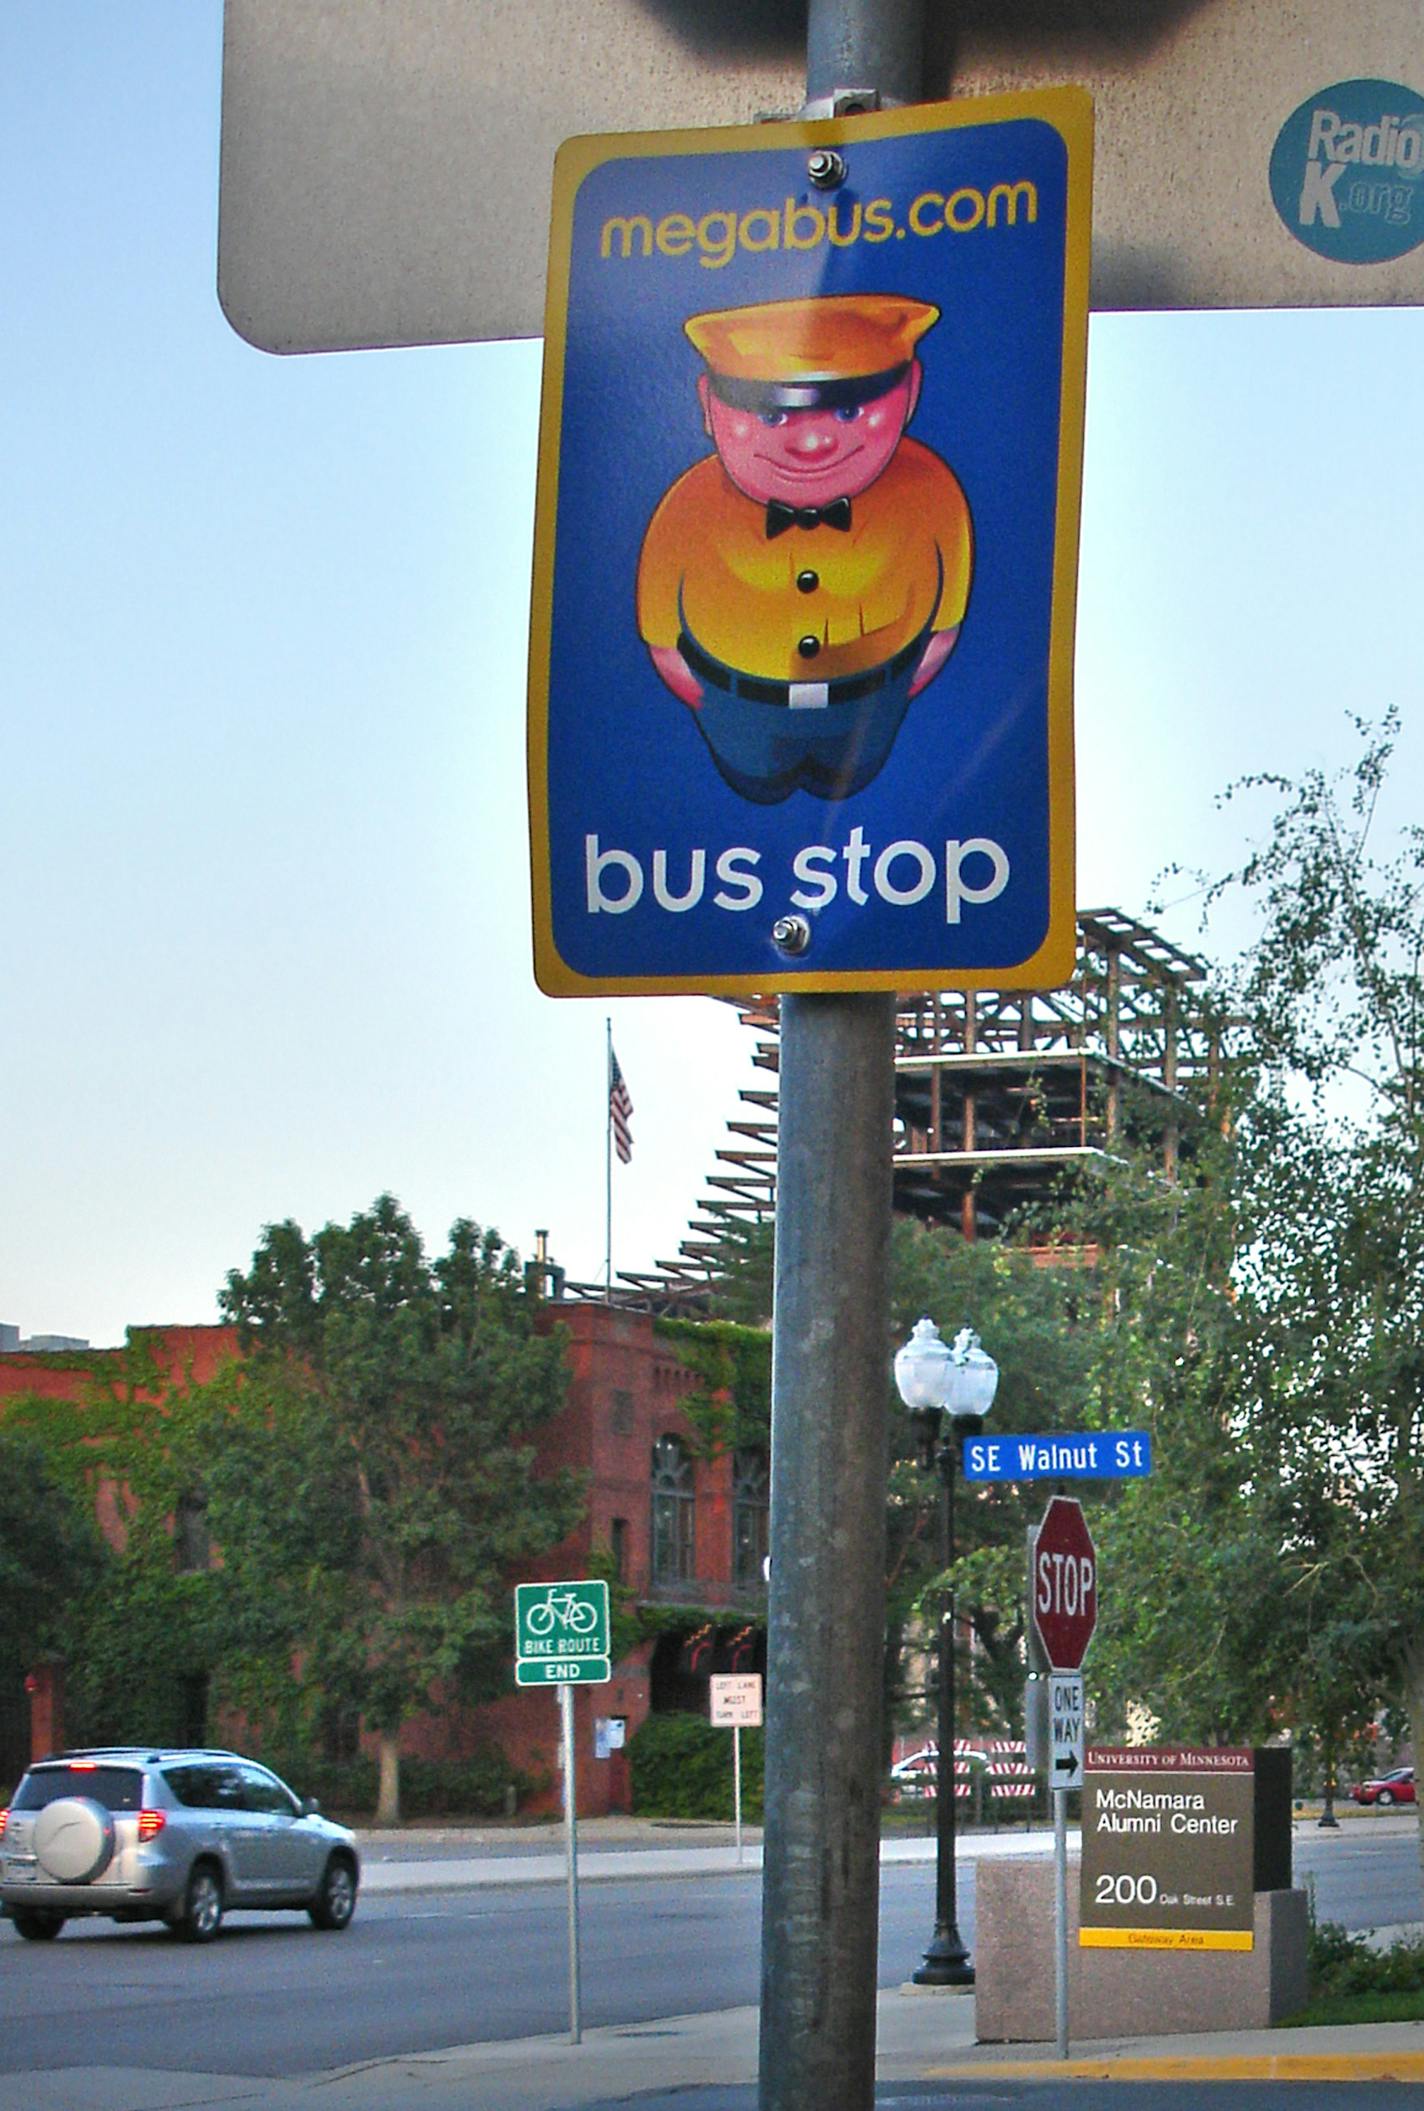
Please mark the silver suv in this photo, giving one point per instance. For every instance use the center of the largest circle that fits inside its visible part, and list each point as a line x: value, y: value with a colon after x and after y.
x: 173, y: 1835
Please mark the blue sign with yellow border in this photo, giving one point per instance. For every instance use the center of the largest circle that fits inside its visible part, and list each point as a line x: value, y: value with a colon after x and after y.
x: 805, y: 554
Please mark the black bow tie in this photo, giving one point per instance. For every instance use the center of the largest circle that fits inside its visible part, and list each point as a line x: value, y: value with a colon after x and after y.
x: 779, y: 517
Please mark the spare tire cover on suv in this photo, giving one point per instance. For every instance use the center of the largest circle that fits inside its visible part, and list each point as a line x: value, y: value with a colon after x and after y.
x: 74, y: 1839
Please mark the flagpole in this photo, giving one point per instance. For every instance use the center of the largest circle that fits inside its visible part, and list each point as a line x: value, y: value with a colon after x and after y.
x: 608, y: 1165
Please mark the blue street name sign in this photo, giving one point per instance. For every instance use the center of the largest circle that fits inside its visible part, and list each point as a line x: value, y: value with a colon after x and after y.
x: 800, y: 704
x: 1098, y: 1455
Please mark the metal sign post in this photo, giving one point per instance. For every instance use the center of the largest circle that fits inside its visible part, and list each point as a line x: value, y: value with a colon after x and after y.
x: 1065, y: 1706
x: 563, y: 1638
x: 1060, y: 1921
x: 1063, y: 1592
x: 826, y: 1617
x: 737, y: 1782
x: 566, y: 1726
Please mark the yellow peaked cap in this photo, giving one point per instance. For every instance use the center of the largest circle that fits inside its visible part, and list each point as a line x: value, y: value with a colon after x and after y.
x: 840, y: 337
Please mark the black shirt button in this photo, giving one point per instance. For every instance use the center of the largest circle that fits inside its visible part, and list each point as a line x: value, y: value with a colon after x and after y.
x: 808, y: 647
x: 807, y: 582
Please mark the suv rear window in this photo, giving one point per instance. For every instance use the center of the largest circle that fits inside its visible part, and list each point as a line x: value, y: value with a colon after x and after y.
x: 206, y: 1786
x: 116, y: 1787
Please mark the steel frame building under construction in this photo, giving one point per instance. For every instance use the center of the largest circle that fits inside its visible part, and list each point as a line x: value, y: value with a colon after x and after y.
x: 997, y: 1095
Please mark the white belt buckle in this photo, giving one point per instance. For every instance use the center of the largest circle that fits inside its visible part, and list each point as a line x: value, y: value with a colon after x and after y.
x: 808, y: 696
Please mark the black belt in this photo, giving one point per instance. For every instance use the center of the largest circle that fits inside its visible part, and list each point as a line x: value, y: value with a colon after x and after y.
x: 846, y: 689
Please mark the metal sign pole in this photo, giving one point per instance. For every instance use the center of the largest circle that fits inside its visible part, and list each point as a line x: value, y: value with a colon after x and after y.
x: 566, y: 1725
x: 826, y: 1615
x: 830, y: 1363
x: 1060, y: 1919
x: 737, y: 1781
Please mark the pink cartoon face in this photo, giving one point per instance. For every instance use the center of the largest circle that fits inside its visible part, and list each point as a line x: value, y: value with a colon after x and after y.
x: 809, y: 457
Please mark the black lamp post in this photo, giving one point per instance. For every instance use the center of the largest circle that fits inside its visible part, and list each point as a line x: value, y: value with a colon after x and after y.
x: 935, y: 1382
x: 1327, y: 1814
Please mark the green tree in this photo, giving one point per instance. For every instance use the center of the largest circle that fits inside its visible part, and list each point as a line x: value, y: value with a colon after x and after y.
x: 1187, y: 1609
x: 281, y: 1498
x: 50, y: 1554
x: 1335, y: 994
x: 435, y: 1383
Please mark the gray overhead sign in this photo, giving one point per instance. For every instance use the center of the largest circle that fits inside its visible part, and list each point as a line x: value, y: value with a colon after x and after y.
x: 386, y: 164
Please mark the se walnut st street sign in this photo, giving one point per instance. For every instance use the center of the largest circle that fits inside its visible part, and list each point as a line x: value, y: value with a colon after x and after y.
x: 1090, y: 1455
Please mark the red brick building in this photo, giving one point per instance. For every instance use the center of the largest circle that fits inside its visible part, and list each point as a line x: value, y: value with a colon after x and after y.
x: 685, y: 1534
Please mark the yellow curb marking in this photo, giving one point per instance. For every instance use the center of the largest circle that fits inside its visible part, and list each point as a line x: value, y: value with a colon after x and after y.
x: 1267, y: 2067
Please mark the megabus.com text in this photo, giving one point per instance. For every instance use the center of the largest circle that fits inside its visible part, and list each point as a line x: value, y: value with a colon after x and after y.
x: 796, y: 224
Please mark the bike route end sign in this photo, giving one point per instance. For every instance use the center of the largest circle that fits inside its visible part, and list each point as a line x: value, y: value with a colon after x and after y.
x: 562, y: 1634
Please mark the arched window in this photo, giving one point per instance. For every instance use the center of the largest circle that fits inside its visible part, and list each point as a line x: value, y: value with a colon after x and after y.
x: 751, y: 1515
x: 672, y: 1512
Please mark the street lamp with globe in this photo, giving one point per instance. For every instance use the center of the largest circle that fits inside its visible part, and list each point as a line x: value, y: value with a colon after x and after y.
x: 935, y: 1382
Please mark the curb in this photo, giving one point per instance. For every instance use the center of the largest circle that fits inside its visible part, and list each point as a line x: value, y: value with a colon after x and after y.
x: 1268, y: 2067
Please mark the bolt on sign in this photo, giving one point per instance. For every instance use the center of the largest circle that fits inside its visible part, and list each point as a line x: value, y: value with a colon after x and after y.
x: 805, y: 552
x: 1168, y: 1847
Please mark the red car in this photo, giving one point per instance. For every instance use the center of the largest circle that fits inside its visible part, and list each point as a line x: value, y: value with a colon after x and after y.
x: 1395, y: 1787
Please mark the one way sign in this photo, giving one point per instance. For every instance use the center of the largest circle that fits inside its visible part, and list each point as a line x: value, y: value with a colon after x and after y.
x: 1065, y: 1714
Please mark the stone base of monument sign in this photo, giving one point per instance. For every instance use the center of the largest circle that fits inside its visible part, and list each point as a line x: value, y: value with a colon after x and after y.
x: 1123, y: 1993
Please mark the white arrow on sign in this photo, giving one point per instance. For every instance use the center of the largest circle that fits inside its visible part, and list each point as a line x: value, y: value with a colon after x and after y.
x: 1065, y: 1719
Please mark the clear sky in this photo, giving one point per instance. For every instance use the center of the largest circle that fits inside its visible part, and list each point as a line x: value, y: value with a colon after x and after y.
x: 262, y: 837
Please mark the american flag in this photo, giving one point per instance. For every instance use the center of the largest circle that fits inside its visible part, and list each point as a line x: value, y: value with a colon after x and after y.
x: 620, y: 1109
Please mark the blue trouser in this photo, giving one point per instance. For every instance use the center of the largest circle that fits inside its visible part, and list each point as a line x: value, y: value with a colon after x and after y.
x: 765, y: 751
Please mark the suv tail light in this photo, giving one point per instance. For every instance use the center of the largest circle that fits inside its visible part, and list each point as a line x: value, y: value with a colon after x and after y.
x: 4, y: 1821
x: 151, y: 1823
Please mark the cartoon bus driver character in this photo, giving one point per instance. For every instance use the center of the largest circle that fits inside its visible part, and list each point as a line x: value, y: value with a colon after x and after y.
x: 797, y: 587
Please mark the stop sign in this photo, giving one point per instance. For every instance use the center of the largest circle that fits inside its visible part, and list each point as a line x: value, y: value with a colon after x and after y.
x: 1065, y: 1584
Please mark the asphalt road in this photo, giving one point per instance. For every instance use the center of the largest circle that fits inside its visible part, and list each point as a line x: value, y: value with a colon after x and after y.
x: 413, y: 1972
x: 420, y: 1970
x: 1362, y: 1877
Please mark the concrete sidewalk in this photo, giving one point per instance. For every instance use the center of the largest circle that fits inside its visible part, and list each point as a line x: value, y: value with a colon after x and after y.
x: 708, y: 2063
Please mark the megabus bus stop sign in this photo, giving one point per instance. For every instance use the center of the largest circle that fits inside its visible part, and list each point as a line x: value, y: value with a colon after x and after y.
x: 805, y: 554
